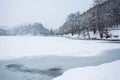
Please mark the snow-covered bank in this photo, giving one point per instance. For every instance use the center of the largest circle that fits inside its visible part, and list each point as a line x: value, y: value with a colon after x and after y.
x: 114, y: 34
x: 109, y: 71
x: 37, y: 46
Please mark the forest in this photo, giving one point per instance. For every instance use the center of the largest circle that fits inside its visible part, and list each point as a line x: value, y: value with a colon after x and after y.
x: 103, y: 15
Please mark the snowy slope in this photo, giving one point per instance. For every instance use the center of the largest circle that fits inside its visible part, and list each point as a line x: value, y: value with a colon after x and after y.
x: 109, y: 71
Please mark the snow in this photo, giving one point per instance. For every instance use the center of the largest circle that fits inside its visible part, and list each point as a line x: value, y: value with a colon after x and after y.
x: 113, y: 32
x: 109, y: 71
x: 16, y: 46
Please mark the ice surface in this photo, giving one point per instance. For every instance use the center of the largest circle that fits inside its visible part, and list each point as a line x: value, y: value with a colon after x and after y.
x: 12, y: 47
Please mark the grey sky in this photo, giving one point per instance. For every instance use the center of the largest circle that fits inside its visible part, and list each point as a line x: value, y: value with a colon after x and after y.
x: 51, y: 13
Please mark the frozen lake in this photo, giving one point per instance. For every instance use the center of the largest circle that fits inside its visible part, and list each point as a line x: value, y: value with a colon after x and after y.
x: 49, y: 57
x: 17, y: 46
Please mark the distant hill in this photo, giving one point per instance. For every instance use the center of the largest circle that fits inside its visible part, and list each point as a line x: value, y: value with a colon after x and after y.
x: 2, y: 32
x: 32, y: 30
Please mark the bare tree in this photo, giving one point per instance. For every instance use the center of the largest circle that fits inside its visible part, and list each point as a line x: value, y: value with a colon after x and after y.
x: 100, y: 16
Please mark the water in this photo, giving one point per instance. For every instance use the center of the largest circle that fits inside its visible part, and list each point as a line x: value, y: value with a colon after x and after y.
x: 49, y: 67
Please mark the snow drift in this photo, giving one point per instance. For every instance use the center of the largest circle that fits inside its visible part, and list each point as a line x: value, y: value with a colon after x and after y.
x: 109, y: 71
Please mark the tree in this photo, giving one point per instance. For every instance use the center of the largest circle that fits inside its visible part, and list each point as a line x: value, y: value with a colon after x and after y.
x: 51, y: 32
x: 100, y: 16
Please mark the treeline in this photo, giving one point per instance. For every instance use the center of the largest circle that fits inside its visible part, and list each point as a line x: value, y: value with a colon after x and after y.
x: 103, y: 15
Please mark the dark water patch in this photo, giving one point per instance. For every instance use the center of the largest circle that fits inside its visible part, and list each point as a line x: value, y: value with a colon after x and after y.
x: 14, y: 67
x: 54, y: 72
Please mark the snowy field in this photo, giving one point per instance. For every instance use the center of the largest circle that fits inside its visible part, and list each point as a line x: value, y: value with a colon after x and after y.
x: 58, y: 58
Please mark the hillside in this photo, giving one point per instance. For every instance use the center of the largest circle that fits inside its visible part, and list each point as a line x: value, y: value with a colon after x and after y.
x: 98, y: 20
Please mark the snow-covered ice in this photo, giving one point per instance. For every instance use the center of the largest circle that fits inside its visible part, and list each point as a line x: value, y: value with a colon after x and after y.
x: 36, y: 46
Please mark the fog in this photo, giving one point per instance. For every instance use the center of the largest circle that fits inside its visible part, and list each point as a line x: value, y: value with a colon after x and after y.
x: 51, y: 13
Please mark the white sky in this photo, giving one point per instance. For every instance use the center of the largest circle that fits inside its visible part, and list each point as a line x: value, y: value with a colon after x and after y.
x: 51, y: 13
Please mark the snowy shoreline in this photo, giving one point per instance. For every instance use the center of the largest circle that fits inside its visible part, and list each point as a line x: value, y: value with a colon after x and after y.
x: 108, y: 71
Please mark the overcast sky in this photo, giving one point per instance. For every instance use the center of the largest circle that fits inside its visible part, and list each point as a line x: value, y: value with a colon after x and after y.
x: 51, y: 13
